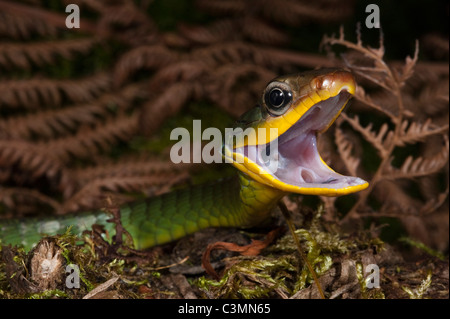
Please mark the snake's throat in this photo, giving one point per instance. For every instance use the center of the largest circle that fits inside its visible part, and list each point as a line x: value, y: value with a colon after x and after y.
x: 294, y: 160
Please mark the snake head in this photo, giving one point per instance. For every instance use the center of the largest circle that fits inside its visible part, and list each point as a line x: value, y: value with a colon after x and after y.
x: 275, y: 143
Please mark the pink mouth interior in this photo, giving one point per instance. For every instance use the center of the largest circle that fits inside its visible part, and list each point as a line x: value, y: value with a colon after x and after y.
x: 296, y: 160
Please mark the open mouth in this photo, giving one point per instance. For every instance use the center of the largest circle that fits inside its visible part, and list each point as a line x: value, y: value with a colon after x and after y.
x: 293, y: 158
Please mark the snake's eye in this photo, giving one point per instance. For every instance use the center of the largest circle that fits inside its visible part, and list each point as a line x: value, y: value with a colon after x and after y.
x: 277, y: 98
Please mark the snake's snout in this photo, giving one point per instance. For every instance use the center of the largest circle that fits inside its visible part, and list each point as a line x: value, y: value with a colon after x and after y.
x: 334, y: 82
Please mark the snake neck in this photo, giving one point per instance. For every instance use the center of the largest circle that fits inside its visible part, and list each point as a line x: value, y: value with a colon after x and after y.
x: 257, y: 200
x: 236, y: 202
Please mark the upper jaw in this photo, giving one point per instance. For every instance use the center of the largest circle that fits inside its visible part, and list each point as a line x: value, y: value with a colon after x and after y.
x: 292, y: 161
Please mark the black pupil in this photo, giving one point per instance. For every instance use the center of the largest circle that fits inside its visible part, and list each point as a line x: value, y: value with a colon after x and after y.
x: 276, y: 97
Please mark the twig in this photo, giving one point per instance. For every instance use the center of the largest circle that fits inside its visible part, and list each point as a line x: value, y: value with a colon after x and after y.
x: 291, y: 226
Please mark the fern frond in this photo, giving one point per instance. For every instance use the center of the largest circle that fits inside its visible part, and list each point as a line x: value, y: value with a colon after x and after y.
x: 23, y: 200
x: 22, y: 27
x: 396, y: 202
x: 169, y: 102
x: 91, y: 141
x: 127, y: 167
x: 35, y: 93
x: 232, y: 52
x: 345, y: 150
x: 143, y: 57
x: 262, y: 32
x: 218, y: 31
x: 420, y: 166
x: 434, y: 203
x: 436, y: 44
x: 92, y: 194
x: 227, y: 92
x: 183, y: 71
x: 418, y: 132
x: 222, y: 7
x: 242, y: 53
x: 32, y: 163
x: 290, y: 12
x: 408, y: 68
x: 29, y: 20
x: 368, y: 63
x: 24, y: 55
x: 61, y: 122
x: 435, y: 95
x: 297, y: 12
x: 380, y: 140
x: 380, y: 104
x: 126, y: 22
x: 253, y: 28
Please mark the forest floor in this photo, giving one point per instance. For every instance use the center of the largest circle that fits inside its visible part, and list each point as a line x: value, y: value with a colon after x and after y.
x: 348, y: 267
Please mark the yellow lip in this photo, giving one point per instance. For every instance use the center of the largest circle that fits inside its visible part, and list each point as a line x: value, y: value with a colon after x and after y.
x: 247, y: 166
x: 308, y: 90
x: 319, y: 88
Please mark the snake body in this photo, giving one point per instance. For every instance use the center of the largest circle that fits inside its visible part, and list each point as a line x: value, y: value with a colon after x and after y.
x: 299, y: 106
x: 160, y: 219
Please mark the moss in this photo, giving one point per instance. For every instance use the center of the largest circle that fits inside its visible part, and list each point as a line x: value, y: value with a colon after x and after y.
x: 318, y: 239
x: 251, y: 278
x: 93, y: 271
x: 281, y: 270
x: 420, y: 291
x: 366, y: 293
x: 320, y: 262
x: 49, y: 294
x: 417, y: 244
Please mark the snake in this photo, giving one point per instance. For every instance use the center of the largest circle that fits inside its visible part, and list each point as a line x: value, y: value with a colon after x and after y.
x: 273, y: 146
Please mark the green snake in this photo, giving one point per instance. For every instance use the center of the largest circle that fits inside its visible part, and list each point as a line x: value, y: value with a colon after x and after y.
x: 299, y: 106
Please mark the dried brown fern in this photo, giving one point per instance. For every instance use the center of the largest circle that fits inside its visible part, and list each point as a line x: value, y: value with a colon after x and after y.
x: 405, y: 122
x: 292, y: 12
x: 141, y: 174
x: 27, y: 164
x: 93, y: 194
x: 22, y: 201
x: 38, y: 92
x: 47, y: 124
x: 57, y: 132
x: 143, y: 57
x: 213, y: 73
x: 22, y: 21
x: 24, y: 55
x: 21, y: 27
x: 127, y: 166
x: 90, y: 141
x: 125, y: 21
x: 74, y: 104
x: 245, y: 27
